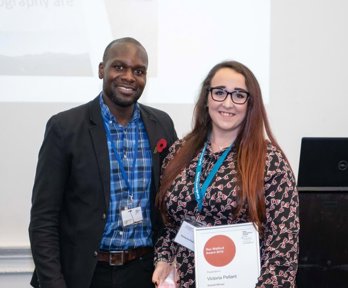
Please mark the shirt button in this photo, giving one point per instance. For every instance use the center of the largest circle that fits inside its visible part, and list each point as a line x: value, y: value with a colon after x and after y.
x: 104, y: 216
x: 95, y: 253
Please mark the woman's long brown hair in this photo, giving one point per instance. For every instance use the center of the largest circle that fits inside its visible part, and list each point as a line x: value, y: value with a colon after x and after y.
x: 250, y: 144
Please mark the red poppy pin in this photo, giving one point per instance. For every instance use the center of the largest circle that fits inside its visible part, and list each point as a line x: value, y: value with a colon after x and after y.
x: 160, y: 146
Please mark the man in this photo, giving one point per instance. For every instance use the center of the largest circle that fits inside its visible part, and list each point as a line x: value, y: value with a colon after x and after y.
x: 93, y: 222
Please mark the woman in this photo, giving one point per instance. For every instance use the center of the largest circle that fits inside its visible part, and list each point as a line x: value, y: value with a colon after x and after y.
x: 254, y: 183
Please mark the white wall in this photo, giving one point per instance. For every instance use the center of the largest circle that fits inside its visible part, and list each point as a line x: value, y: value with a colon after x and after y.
x: 308, y: 97
x: 309, y: 60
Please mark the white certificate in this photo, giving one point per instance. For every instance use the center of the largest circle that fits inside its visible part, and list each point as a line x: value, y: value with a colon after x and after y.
x: 227, y: 256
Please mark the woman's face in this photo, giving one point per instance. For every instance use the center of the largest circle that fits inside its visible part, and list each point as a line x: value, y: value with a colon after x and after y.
x: 227, y: 116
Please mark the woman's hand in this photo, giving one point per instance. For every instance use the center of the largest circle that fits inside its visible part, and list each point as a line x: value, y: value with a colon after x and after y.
x: 161, y: 272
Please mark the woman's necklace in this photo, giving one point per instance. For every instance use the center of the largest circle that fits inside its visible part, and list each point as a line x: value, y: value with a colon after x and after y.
x: 221, y: 146
x: 216, y: 147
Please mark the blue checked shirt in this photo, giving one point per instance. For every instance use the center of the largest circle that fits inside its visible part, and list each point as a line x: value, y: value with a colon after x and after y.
x: 116, y: 236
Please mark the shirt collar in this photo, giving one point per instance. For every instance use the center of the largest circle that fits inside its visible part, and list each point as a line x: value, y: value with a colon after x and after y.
x: 107, y: 115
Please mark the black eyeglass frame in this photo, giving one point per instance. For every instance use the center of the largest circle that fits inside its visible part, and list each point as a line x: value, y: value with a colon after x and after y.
x: 229, y: 93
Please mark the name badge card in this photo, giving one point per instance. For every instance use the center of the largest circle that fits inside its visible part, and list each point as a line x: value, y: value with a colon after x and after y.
x: 227, y: 256
x: 131, y: 216
x: 185, y: 235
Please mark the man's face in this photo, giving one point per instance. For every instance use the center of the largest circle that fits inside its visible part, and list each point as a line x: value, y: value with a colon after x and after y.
x: 124, y: 73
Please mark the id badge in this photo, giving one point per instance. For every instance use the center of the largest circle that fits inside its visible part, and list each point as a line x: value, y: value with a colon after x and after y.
x: 131, y: 216
x: 185, y: 235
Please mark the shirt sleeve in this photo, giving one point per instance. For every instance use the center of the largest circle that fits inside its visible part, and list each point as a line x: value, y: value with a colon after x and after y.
x: 279, y: 244
x: 165, y: 248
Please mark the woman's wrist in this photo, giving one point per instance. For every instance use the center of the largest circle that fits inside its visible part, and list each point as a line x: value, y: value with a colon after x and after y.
x: 162, y: 259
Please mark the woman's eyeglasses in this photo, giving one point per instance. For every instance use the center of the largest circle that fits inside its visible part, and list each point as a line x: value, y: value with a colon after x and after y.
x: 237, y: 96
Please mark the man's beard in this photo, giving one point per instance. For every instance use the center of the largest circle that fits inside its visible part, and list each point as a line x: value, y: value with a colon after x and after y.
x: 119, y: 101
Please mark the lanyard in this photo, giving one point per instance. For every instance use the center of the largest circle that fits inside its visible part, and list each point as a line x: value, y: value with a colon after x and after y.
x: 200, y: 191
x: 119, y: 160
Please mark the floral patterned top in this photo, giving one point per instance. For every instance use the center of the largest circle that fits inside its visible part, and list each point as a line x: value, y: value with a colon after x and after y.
x: 278, y: 244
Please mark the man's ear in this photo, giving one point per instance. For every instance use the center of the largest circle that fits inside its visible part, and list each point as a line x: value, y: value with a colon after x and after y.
x: 101, y: 70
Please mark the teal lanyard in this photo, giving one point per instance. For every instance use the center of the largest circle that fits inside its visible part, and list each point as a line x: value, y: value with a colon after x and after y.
x: 200, y: 191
